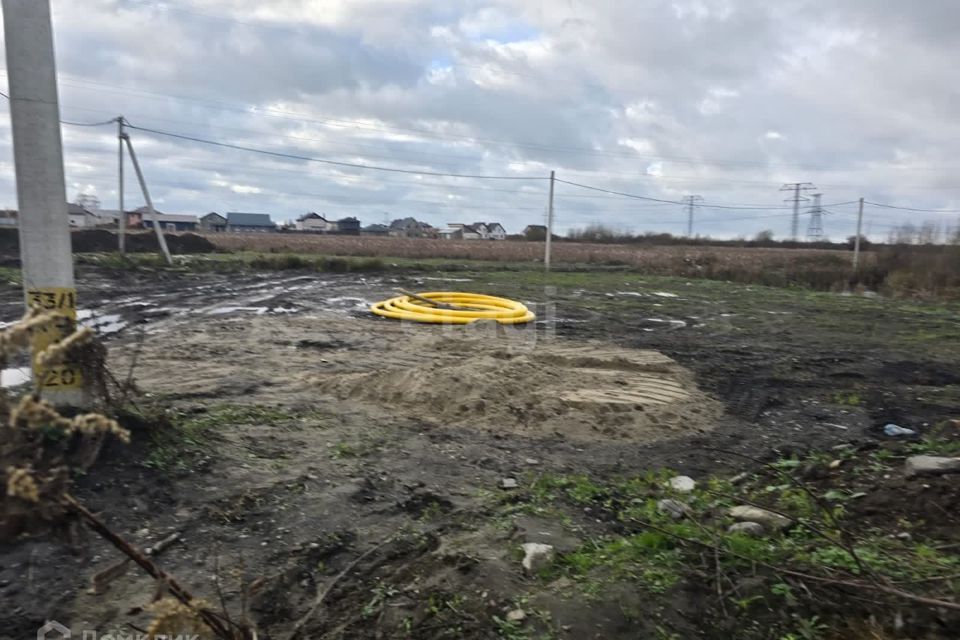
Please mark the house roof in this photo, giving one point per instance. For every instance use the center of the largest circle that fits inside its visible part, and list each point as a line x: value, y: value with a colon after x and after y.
x: 173, y: 217
x: 351, y: 220
x: 407, y: 223
x: 212, y: 214
x: 145, y: 211
x: 249, y: 219
x: 312, y: 216
x: 76, y: 209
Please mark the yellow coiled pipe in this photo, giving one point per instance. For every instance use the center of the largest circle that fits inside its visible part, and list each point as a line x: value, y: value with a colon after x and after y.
x: 467, y: 308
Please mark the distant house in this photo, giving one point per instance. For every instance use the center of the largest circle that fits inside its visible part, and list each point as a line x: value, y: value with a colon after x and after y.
x: 375, y: 230
x: 80, y: 216
x: 535, y: 232
x: 461, y: 231
x: 249, y: 222
x: 495, y: 231
x: 213, y: 222
x: 411, y: 228
x: 170, y: 221
x: 348, y: 226
x: 315, y: 222
x: 108, y: 217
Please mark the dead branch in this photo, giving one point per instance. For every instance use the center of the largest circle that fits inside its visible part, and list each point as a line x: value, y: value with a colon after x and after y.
x: 141, y: 559
x: 322, y: 595
x: 857, y: 584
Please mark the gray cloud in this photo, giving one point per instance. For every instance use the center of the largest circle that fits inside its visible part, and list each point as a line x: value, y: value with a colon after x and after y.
x: 724, y: 98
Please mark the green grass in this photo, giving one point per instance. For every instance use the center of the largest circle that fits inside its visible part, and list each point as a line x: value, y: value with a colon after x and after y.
x: 11, y: 275
x: 178, y: 437
x: 654, y: 553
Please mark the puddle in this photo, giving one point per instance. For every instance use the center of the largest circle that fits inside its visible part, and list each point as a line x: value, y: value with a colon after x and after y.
x: 447, y: 279
x: 15, y: 377
x: 675, y: 323
x: 222, y: 311
x: 104, y: 325
x: 348, y: 302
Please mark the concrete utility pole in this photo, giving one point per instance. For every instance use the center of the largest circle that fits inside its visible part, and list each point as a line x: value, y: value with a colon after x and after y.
x: 549, y: 240
x: 45, y: 252
x: 796, y: 187
x: 122, y: 217
x: 691, y: 202
x: 146, y: 196
x: 856, y: 240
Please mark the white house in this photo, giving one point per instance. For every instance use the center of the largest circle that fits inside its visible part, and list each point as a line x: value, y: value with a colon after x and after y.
x: 315, y: 222
x: 495, y: 231
x: 475, y: 231
x: 80, y: 216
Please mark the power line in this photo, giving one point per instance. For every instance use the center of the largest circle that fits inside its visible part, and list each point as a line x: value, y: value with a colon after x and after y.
x: 680, y: 202
x: 272, y: 112
x: 353, y: 165
x: 890, y: 206
x: 89, y: 124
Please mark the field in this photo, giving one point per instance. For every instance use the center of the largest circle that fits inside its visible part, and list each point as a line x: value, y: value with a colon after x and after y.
x: 906, y: 271
x: 819, y: 268
x: 330, y: 474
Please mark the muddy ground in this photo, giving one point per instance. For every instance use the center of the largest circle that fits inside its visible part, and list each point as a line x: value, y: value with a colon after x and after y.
x: 276, y: 472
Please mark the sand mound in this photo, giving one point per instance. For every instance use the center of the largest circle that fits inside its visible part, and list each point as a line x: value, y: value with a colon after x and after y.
x: 587, y: 391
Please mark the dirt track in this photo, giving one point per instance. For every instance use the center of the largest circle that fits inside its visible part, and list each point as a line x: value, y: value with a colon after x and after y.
x: 335, y: 452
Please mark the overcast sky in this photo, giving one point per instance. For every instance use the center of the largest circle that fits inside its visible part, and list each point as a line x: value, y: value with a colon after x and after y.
x: 727, y: 99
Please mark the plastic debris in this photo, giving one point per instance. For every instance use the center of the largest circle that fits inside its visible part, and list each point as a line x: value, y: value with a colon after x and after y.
x: 895, y: 431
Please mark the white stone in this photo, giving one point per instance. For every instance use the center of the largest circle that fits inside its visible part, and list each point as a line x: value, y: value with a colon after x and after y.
x: 683, y: 484
x: 931, y: 465
x: 517, y: 615
x: 508, y: 483
x: 770, y: 520
x: 537, y: 555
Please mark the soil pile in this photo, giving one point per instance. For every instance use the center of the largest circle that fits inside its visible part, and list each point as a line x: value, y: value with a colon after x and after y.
x: 581, y: 392
x: 101, y: 240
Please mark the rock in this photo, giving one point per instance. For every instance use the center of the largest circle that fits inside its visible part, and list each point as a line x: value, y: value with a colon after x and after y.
x: 536, y: 556
x: 770, y: 520
x: 835, y: 464
x: 508, y: 483
x: 532, y: 461
x: 752, y: 529
x: 517, y: 615
x: 674, y: 508
x: 931, y: 465
x: 683, y: 484
x: 740, y: 477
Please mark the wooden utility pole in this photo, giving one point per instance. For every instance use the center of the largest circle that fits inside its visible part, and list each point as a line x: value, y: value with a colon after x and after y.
x: 856, y: 240
x: 549, y: 240
x: 45, y: 252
